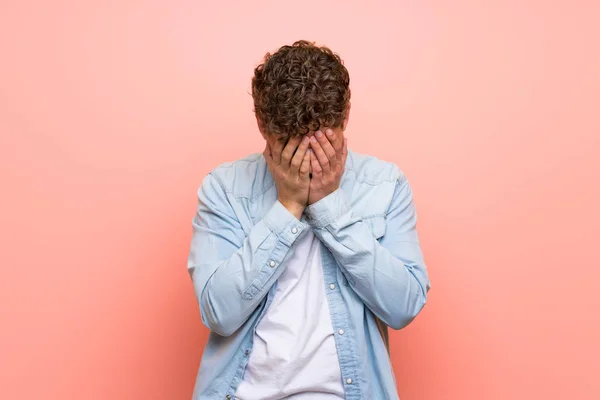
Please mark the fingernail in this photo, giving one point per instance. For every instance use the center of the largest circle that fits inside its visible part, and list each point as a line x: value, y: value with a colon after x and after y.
x: 312, y: 139
x: 319, y: 134
x: 305, y: 139
x: 329, y: 132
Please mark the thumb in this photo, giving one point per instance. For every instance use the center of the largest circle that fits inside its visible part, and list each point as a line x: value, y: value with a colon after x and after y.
x: 268, y: 156
x: 345, y: 150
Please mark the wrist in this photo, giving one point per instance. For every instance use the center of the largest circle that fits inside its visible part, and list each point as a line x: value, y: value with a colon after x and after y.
x: 294, y: 208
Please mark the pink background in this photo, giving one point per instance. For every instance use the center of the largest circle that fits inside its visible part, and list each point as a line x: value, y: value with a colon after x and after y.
x: 111, y: 112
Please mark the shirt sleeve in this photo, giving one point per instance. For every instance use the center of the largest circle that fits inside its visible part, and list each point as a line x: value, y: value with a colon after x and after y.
x: 388, y: 274
x: 232, y: 272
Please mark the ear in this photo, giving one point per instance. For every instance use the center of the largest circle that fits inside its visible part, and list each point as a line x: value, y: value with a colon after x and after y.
x: 345, y: 123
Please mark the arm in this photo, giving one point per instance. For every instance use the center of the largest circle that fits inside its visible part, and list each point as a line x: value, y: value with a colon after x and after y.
x: 232, y: 273
x: 388, y: 275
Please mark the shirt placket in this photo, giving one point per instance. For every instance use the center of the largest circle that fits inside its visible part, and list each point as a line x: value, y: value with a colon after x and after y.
x: 343, y: 334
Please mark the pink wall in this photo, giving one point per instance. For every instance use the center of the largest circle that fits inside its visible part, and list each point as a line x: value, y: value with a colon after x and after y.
x: 111, y: 112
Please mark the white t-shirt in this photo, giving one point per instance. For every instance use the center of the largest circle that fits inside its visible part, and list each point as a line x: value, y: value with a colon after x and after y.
x: 294, y: 354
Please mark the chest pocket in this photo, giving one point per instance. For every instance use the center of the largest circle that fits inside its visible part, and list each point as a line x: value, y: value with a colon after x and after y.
x: 377, y: 225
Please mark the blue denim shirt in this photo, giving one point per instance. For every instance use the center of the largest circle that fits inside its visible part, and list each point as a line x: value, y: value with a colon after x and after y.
x: 372, y: 265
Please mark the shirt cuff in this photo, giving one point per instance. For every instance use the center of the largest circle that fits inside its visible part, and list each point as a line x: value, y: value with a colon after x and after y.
x: 328, y: 209
x: 283, y: 223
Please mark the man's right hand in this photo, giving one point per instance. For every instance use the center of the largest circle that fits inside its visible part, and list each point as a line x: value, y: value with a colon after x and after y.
x: 290, y: 172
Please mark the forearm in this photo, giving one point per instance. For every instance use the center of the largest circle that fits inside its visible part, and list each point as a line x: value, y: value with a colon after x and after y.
x: 232, y: 272
x: 393, y: 285
x: 240, y: 282
x: 237, y: 284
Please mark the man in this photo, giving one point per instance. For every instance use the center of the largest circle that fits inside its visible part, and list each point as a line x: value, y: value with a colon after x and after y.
x: 302, y: 256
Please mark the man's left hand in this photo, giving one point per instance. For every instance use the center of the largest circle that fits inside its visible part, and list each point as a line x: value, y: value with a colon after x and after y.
x: 327, y: 160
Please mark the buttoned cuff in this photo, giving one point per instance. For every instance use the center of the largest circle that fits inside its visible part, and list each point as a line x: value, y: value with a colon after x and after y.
x: 283, y: 223
x: 328, y: 209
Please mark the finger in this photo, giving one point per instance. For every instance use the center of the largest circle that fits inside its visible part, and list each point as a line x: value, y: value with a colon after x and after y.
x: 319, y: 154
x: 305, y: 166
x: 288, y: 151
x: 335, y: 140
x: 298, y: 157
x: 326, y: 145
x: 317, y: 171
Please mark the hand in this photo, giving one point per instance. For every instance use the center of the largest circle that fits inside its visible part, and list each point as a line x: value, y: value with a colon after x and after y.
x: 327, y: 160
x: 290, y: 172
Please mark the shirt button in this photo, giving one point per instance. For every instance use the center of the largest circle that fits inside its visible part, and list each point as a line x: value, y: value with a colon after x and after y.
x: 247, y: 352
x: 332, y: 286
x: 228, y: 397
x: 272, y: 264
x: 349, y: 381
x: 341, y: 331
x: 294, y: 231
